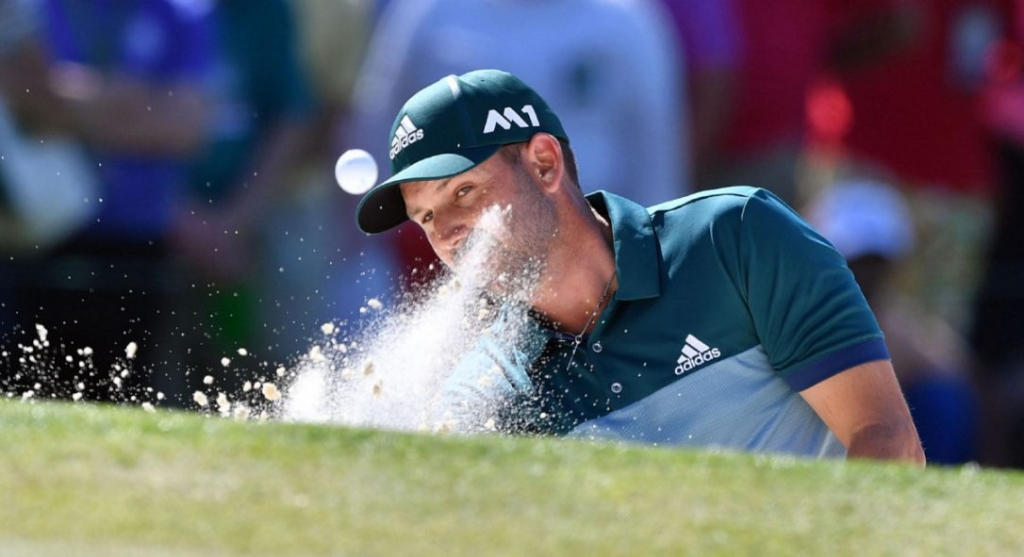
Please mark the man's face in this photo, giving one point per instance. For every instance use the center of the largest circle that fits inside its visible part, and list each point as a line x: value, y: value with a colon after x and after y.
x: 450, y: 211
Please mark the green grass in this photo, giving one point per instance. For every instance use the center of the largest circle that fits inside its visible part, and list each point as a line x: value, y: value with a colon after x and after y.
x: 103, y: 481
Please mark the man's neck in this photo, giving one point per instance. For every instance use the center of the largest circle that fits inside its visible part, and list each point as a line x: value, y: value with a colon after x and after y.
x: 579, y: 279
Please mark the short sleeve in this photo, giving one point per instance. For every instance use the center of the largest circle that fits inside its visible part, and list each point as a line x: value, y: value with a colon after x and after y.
x: 808, y: 311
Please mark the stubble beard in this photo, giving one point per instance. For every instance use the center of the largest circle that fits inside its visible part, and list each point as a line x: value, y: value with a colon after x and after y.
x: 509, y: 248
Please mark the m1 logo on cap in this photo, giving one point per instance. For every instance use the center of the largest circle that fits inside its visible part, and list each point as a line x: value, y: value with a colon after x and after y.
x: 508, y: 117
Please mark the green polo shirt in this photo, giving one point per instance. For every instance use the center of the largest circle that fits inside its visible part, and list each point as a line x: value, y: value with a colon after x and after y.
x: 728, y: 305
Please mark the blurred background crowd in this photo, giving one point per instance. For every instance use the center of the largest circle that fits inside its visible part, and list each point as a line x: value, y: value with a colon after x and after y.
x: 168, y: 211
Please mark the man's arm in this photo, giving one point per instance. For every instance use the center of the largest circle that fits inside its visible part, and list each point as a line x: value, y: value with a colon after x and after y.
x: 484, y: 391
x: 166, y: 119
x: 865, y: 409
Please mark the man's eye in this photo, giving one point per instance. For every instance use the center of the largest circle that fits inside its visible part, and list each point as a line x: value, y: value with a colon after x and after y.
x: 429, y: 216
x: 463, y: 191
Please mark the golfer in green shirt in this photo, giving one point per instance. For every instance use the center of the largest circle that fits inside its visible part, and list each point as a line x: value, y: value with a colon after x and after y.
x: 717, y: 320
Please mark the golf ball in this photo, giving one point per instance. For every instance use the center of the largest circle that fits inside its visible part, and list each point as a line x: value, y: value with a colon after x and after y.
x: 356, y: 171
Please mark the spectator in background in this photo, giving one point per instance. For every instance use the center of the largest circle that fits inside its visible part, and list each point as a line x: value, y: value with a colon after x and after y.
x: 869, y: 222
x: 612, y: 75
x: 128, y: 74
x: 783, y: 46
x: 24, y: 64
x: 31, y: 116
x: 915, y: 113
x: 998, y: 308
x: 259, y: 129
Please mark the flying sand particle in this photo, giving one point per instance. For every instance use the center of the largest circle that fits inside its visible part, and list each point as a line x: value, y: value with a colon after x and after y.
x: 223, y: 404
x: 270, y: 392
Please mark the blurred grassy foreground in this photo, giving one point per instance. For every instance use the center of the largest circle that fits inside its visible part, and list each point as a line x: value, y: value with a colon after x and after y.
x: 102, y: 481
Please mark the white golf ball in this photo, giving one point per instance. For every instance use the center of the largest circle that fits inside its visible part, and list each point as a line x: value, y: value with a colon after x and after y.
x: 356, y: 171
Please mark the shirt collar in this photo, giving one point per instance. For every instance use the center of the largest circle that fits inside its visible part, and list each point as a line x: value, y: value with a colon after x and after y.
x: 637, y: 254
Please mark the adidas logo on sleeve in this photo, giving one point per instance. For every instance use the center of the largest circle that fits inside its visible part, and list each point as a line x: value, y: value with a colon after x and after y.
x: 695, y: 353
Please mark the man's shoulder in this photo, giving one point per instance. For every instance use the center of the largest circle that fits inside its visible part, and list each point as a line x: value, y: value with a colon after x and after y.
x: 699, y: 210
x: 705, y: 202
x: 727, y: 195
x: 708, y: 204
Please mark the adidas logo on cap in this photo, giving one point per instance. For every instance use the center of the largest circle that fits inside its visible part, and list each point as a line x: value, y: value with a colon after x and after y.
x: 406, y: 134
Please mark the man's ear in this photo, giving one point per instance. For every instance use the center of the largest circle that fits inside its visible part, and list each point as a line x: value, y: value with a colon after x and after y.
x: 544, y: 160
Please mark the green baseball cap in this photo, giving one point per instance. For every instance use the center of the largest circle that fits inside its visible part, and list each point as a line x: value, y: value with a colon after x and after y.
x: 450, y: 127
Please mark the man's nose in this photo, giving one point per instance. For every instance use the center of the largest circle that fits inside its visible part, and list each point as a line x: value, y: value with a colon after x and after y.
x: 450, y: 231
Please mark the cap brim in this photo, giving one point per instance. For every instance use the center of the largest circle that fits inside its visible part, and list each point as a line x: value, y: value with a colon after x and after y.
x: 382, y: 208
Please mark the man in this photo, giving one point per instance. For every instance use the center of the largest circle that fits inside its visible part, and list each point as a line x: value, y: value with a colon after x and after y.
x: 719, y: 319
